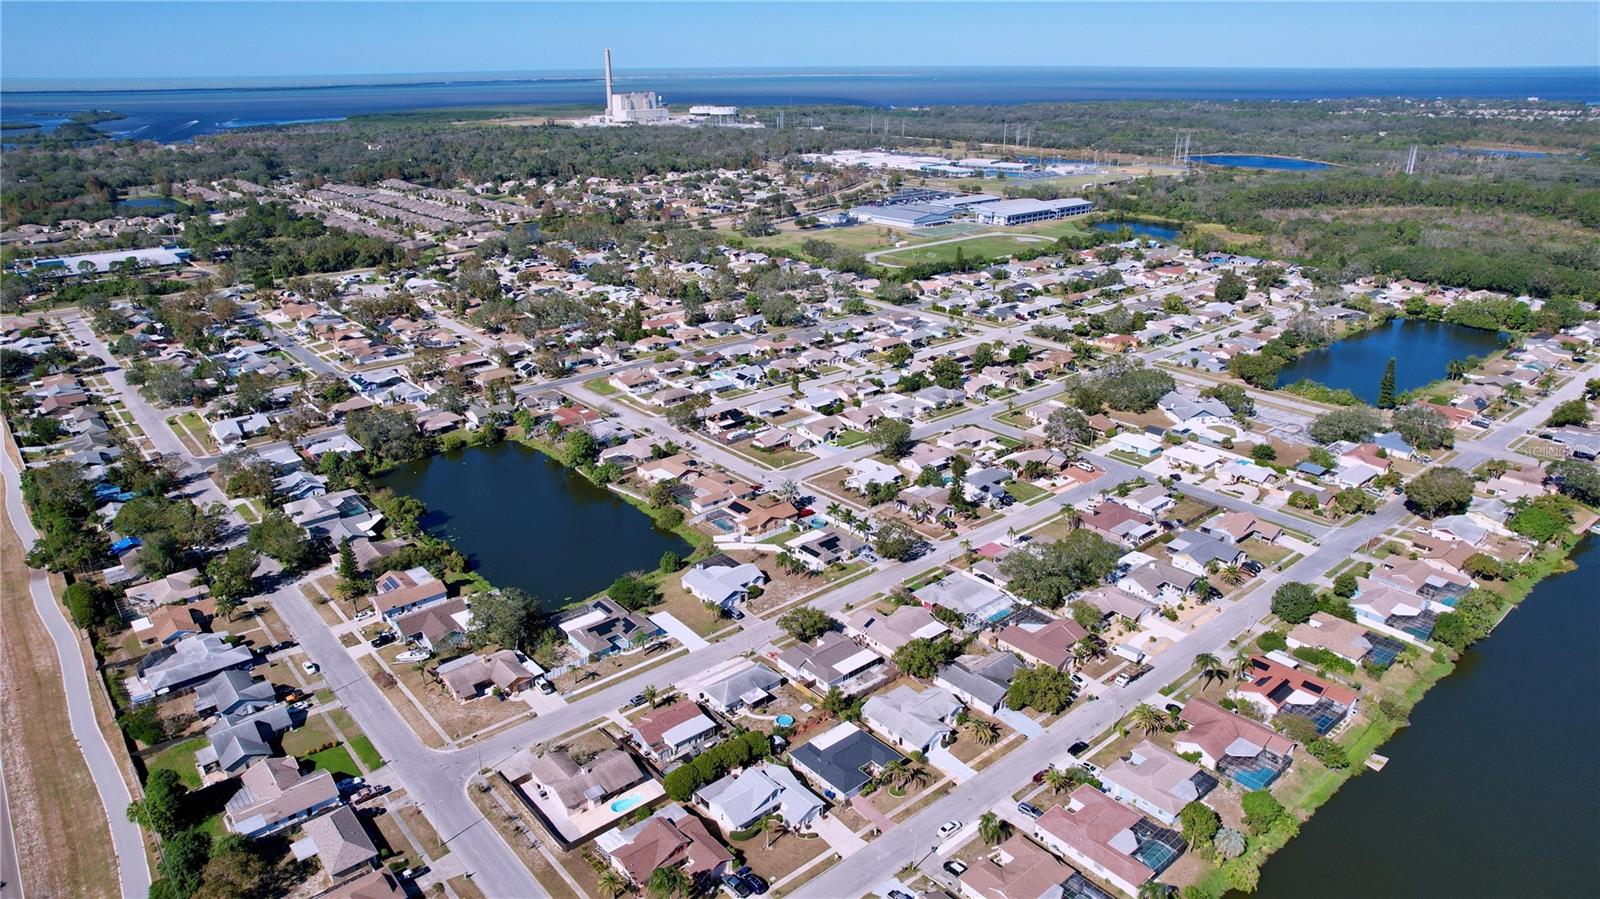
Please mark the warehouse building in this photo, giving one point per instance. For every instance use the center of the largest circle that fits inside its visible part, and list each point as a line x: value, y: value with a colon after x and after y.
x: 1021, y: 212
x: 905, y: 215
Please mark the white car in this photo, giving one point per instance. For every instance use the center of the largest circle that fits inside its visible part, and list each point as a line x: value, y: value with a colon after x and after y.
x: 310, y: 667
x: 948, y: 828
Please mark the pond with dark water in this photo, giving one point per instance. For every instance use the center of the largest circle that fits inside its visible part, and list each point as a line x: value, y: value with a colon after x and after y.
x: 1493, y: 789
x: 1248, y: 161
x: 1151, y: 230
x: 1422, y: 351
x: 529, y: 522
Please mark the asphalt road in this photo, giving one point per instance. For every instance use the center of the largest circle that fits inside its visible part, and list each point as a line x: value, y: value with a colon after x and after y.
x: 10, y: 866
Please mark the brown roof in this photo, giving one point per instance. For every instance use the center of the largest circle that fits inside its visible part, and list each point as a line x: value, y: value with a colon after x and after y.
x: 404, y: 588
x: 1028, y: 873
x: 652, y: 727
x: 1266, y: 676
x: 662, y: 843
x: 1214, y: 729
x: 1088, y: 823
x: 1051, y: 644
x: 376, y: 885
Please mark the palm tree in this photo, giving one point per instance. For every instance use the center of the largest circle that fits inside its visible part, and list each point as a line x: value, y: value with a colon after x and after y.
x: 985, y: 732
x: 1057, y: 780
x: 993, y: 829
x: 1148, y: 718
x: 610, y: 881
x: 1210, y: 667
x: 774, y: 827
x: 834, y: 510
x: 650, y: 694
x: 920, y: 510
x: 1232, y: 574
x: 1241, y: 662
x: 668, y: 882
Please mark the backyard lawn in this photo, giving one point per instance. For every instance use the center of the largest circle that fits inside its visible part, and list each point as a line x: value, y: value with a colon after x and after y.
x: 179, y: 757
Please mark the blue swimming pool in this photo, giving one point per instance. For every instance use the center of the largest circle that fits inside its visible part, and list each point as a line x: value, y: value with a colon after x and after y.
x: 785, y: 720
x: 625, y: 803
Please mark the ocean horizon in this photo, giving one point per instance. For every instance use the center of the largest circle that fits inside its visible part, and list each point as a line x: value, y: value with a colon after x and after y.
x: 180, y: 109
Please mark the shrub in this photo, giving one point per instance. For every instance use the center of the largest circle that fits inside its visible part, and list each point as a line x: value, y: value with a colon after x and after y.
x: 1270, y: 641
x: 1261, y: 810
x: 1329, y: 753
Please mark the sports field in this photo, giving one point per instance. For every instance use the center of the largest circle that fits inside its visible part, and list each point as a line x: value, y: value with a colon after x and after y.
x: 991, y: 247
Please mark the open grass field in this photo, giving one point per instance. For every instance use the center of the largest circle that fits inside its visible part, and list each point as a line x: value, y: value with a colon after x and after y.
x: 990, y: 246
x: 856, y: 238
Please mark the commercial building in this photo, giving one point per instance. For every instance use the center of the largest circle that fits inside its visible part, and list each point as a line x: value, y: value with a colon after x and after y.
x: 1023, y: 211
x: 904, y: 215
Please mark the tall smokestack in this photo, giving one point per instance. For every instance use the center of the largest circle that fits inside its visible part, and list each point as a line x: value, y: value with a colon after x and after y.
x: 608, y: 81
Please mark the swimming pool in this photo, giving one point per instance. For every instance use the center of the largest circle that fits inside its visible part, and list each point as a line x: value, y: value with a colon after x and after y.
x: 625, y: 803
x: 785, y: 720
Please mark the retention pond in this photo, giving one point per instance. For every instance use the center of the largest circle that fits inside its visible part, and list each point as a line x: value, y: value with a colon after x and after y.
x: 1492, y: 790
x: 529, y: 522
x: 1422, y: 351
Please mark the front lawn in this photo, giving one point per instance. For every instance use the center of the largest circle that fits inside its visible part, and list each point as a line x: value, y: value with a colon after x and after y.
x: 336, y: 760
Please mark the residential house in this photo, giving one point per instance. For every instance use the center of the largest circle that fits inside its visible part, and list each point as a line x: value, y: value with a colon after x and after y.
x: 1119, y: 524
x: 914, y: 720
x: 977, y: 600
x: 336, y: 516
x: 179, y: 587
x: 399, y: 593
x: 273, y: 794
x: 670, y: 838
x: 842, y: 760
x: 744, y: 797
x: 1251, y: 753
x: 1115, y: 602
x: 1157, y: 582
x: 886, y: 632
x: 1050, y: 644
x: 1151, y: 501
x: 339, y: 841
x: 170, y: 670
x: 1345, y: 639
x: 1393, y: 609
x: 1109, y: 839
x: 738, y: 685
x: 1276, y: 689
x: 436, y: 626
x: 1016, y: 869
x: 1156, y: 781
x: 834, y: 660
x: 588, y: 785
x: 819, y: 548
x: 242, y: 737
x: 502, y: 671
x: 1195, y: 552
x: 233, y: 692
x: 721, y: 581
x: 1237, y: 527
x: 600, y: 627
x: 170, y: 623
x: 673, y: 731
x: 980, y: 681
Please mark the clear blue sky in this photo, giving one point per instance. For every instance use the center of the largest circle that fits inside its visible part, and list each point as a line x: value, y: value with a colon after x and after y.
x: 195, y: 39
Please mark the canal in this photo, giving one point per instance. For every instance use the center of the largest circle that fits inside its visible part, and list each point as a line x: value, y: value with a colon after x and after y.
x: 1422, y: 351
x: 1493, y: 789
x: 526, y: 521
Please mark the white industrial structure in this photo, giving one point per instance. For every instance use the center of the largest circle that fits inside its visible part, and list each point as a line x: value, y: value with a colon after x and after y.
x: 631, y: 107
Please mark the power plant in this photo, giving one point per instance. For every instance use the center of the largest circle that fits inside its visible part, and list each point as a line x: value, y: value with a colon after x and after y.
x: 633, y: 107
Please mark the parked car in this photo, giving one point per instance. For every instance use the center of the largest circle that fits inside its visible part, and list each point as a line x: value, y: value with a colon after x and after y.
x: 544, y: 686
x: 413, y: 873
x: 383, y: 639
x: 1252, y: 566
x: 1029, y: 809
x: 956, y: 867
x: 310, y: 667
x: 735, y: 885
x: 1077, y: 748
x: 755, y: 883
x: 948, y: 828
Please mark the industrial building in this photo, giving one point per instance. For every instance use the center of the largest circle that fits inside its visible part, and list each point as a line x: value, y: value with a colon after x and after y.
x: 633, y: 106
x: 1021, y: 212
x: 904, y: 215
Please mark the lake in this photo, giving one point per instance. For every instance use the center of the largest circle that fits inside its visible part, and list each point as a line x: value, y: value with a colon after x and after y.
x: 1493, y: 788
x: 1422, y: 350
x: 526, y: 521
x: 1245, y: 161
x: 1152, y: 230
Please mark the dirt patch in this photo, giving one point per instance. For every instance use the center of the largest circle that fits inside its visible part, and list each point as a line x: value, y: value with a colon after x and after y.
x: 63, y: 842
